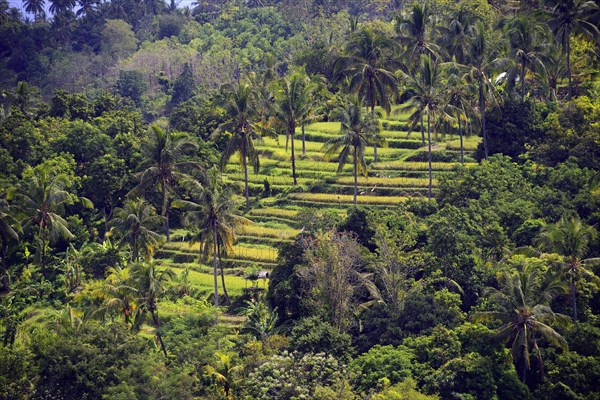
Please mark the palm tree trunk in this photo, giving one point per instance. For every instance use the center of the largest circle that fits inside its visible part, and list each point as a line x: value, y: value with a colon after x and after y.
x: 574, y: 298
x: 245, y: 165
x: 568, y: 39
x: 422, y: 132
x: 355, y: 177
x: 156, y: 321
x: 482, y: 111
x: 462, y: 150
x: 372, y: 104
x: 523, y: 81
x: 165, y: 209
x: 227, y: 301
x: 291, y: 130
x: 303, y: 140
x: 215, y: 274
x: 429, y: 154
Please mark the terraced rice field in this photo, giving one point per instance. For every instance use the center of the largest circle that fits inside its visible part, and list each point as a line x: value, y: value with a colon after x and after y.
x: 278, y: 206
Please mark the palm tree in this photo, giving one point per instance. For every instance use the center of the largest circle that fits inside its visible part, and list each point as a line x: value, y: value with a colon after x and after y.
x: 353, y: 140
x: 136, y: 221
x: 293, y: 101
x: 483, y: 59
x: 61, y: 6
x: 9, y: 230
x: 367, y: 63
x: 571, y: 238
x: 459, y: 98
x: 41, y: 196
x: 524, y: 294
x: 427, y: 99
x: 456, y: 36
x: 150, y: 284
x: 216, y: 216
x: 35, y: 7
x: 412, y: 34
x: 223, y: 371
x: 165, y: 160
x: 528, y: 42
x: 240, y: 105
x: 571, y: 17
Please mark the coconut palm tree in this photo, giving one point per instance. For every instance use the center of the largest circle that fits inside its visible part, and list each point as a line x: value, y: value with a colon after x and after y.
x: 293, y: 100
x: 165, y: 159
x: 223, y: 371
x: 427, y: 99
x: 571, y: 238
x: 570, y: 17
x: 215, y: 215
x: 9, y: 230
x: 41, y: 196
x: 459, y: 98
x: 135, y: 222
x: 524, y: 293
x: 352, y: 140
x: 456, y: 34
x: 412, y: 34
x: 240, y: 104
x: 528, y: 42
x: 150, y: 283
x: 36, y: 7
x: 368, y: 65
x: 483, y: 59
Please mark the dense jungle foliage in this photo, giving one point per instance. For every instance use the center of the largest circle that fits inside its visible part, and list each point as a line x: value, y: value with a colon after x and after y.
x: 316, y: 199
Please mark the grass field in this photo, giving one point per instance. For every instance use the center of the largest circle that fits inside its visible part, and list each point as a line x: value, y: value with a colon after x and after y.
x: 386, y: 182
x: 346, y: 199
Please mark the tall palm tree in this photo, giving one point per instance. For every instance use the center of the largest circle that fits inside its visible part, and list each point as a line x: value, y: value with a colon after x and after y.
x: 484, y: 58
x: 135, y: 222
x: 42, y: 196
x: 150, y: 283
x: 368, y: 64
x: 528, y: 41
x: 571, y: 238
x: 353, y: 140
x: 61, y: 6
x: 215, y: 215
x: 524, y: 294
x: 36, y: 7
x: 293, y: 101
x: 240, y: 104
x: 165, y: 159
x: 427, y: 99
x: 459, y: 99
x: 413, y: 34
x: 456, y: 34
x: 570, y: 17
x: 9, y: 230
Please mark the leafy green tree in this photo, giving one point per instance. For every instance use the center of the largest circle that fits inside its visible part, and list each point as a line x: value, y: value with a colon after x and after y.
x: 353, y: 140
x: 150, y: 283
x: 135, y: 222
x: 165, y: 160
x: 42, y: 195
x: 381, y: 362
x: 224, y: 370
x: 427, y: 98
x: 293, y: 101
x: 132, y: 84
x: 240, y: 103
x: 9, y: 230
x: 571, y: 238
x: 184, y: 86
x: 215, y: 215
x: 528, y: 43
x: 570, y: 17
x: 366, y: 63
x: 524, y: 293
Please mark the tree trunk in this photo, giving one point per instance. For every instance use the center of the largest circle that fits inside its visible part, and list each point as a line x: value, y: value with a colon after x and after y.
x: 154, y: 313
x: 523, y: 81
x: 574, y: 298
x: 165, y: 209
x: 429, y: 155
x: 372, y: 101
x: 422, y: 132
x: 303, y: 140
x: 245, y: 165
x: 215, y: 274
x: 355, y: 177
x: 569, y: 75
x: 462, y: 150
x: 482, y: 111
x: 227, y: 301
x: 291, y: 130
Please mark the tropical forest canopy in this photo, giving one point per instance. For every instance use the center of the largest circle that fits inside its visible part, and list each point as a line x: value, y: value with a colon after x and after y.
x: 324, y: 199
